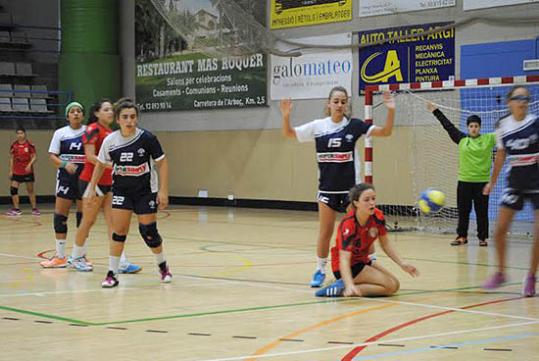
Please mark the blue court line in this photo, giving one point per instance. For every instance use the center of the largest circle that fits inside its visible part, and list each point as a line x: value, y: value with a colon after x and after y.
x: 441, y: 347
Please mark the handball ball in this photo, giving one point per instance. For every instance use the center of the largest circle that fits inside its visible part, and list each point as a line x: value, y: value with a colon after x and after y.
x: 431, y: 201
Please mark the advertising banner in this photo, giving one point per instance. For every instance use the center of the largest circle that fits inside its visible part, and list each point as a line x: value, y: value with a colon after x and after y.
x: 291, y: 13
x: 313, y: 74
x: 483, y: 4
x: 377, y: 7
x: 407, y: 56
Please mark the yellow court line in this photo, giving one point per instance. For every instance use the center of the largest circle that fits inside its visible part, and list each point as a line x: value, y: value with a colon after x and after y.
x: 294, y: 334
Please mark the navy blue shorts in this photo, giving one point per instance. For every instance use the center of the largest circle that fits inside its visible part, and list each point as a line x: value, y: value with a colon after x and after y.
x: 336, y: 201
x: 68, y: 188
x: 514, y: 199
x: 140, y: 203
x: 101, y: 190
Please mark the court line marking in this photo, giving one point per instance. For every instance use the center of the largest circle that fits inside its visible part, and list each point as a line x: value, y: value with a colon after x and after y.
x: 321, y: 324
x: 45, y: 315
x: 455, y: 344
x: 351, y: 354
x: 402, y: 339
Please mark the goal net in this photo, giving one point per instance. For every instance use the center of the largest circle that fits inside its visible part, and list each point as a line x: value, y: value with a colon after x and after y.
x: 421, y: 154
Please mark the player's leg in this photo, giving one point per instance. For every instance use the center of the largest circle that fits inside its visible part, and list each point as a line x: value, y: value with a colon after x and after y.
x: 61, y: 214
x: 146, y: 209
x: 326, y: 216
x: 481, y: 211
x: 15, y: 202
x: 375, y: 281
x: 464, y: 206
x: 32, y: 195
x: 528, y: 289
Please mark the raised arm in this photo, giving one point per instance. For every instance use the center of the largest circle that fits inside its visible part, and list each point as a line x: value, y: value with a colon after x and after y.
x: 387, y: 129
x: 455, y: 134
x: 286, y: 109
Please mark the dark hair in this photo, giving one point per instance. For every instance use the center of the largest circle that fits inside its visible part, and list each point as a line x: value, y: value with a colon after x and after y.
x: 357, y: 190
x: 124, y: 103
x: 510, y: 93
x: 473, y: 119
x: 20, y: 128
x: 92, y: 118
x: 334, y: 90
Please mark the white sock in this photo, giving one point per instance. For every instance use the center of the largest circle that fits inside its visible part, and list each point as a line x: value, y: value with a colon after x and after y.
x: 321, y: 264
x: 123, y: 258
x: 114, y: 263
x: 77, y: 252
x: 61, y: 248
x: 85, y: 248
x: 159, y: 258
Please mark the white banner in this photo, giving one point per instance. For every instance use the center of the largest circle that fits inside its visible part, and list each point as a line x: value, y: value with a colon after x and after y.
x: 315, y: 72
x: 377, y: 7
x: 482, y: 4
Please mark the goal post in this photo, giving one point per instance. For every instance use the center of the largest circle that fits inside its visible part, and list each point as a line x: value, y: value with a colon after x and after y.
x: 420, y: 153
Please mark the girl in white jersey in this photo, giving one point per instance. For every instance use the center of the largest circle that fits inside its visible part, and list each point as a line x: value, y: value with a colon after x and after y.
x: 67, y: 154
x: 338, y: 162
x: 518, y: 141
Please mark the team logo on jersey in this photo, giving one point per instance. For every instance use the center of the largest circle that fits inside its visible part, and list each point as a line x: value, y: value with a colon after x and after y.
x: 349, y: 138
x: 73, y: 158
x: 26, y: 149
x: 151, y: 204
x: 334, y: 157
x: 141, y: 152
x: 373, y: 232
x: 346, y: 232
x: 131, y: 170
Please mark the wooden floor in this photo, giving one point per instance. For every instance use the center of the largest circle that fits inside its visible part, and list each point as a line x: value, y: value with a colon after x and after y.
x: 240, y: 293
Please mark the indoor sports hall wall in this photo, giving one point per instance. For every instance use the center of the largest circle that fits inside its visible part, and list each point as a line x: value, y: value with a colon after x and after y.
x: 243, y: 153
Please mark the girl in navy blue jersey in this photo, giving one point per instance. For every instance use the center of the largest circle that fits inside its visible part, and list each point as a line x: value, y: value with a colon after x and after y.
x: 134, y: 154
x: 338, y: 162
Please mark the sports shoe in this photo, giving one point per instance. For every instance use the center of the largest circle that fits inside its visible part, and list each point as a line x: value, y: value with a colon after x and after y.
x: 54, y: 262
x: 85, y: 258
x: 81, y: 265
x: 129, y: 268
x: 110, y: 281
x: 13, y: 212
x: 494, y: 281
x: 528, y: 288
x: 318, y: 279
x: 166, y: 276
x: 36, y: 212
x: 335, y: 289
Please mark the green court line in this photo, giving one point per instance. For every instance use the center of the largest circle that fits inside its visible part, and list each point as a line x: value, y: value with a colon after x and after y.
x: 418, y: 292
x: 45, y: 315
x: 228, y: 311
x: 457, y: 262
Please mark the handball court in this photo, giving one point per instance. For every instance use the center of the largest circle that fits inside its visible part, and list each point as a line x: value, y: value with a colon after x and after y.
x: 240, y: 292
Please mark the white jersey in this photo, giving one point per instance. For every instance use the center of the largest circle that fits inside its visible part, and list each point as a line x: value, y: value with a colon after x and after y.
x: 67, y: 144
x: 336, y: 153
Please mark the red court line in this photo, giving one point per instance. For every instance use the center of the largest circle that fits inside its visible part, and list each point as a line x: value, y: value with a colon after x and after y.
x: 42, y: 254
x: 349, y: 356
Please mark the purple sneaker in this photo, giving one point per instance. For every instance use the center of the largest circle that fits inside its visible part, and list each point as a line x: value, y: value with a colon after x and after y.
x: 528, y: 288
x: 166, y: 276
x: 13, y: 212
x: 494, y: 281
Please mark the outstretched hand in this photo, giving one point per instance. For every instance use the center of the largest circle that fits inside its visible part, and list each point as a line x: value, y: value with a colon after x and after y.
x: 286, y: 106
x: 389, y: 100
x: 411, y: 270
x: 431, y: 106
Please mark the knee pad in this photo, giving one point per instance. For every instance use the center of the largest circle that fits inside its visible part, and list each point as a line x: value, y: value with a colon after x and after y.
x: 60, y: 223
x: 150, y: 235
x: 118, y: 238
x: 14, y: 191
x: 79, y: 218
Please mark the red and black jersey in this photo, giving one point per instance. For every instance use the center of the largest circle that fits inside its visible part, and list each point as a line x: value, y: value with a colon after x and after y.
x: 95, y: 134
x: 22, y: 155
x: 357, y: 239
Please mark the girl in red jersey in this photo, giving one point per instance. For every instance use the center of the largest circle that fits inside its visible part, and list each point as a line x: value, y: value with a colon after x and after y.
x: 355, y: 274
x: 98, y: 127
x: 22, y: 158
